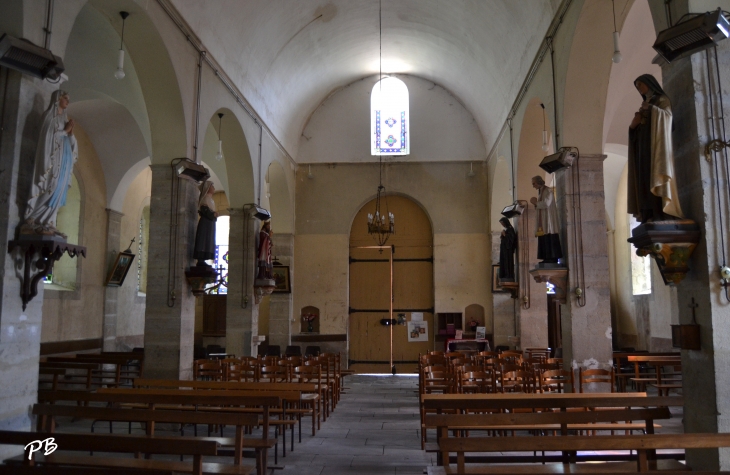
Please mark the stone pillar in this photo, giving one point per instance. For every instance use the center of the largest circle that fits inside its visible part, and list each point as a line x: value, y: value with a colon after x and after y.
x: 109, y: 328
x: 22, y: 102
x: 170, y: 312
x: 280, y: 304
x: 503, y: 305
x: 586, y: 329
x: 242, y: 313
x: 533, y: 321
x: 706, y: 384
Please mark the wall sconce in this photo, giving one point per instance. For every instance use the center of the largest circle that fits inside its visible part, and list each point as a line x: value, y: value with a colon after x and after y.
x: 219, y: 155
x: 120, y: 61
x: 698, y: 33
x: 564, y: 158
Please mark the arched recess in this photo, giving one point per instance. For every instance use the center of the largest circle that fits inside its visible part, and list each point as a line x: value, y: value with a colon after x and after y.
x: 282, y: 215
x: 369, y: 291
x: 529, y: 151
x: 157, y: 77
x: 235, y: 171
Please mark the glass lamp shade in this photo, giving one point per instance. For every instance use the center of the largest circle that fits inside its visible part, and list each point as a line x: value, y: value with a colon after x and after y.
x: 120, y: 66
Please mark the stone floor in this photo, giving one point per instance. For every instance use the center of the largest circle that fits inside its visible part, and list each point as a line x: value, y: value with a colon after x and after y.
x: 374, y: 430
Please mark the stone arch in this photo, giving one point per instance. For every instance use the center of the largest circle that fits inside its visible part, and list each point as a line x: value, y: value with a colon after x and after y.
x: 235, y: 171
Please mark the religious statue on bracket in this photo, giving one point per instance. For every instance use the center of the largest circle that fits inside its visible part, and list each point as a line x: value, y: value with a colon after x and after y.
x: 507, y: 248
x: 548, y: 227
x: 264, y: 283
x: 56, y: 154
x: 653, y: 198
x: 203, y: 273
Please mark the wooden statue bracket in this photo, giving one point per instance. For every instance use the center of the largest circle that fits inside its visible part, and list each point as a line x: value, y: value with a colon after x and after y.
x: 262, y: 288
x: 199, y: 276
x: 41, y: 252
x: 512, y: 287
x: 558, y: 276
x: 670, y: 243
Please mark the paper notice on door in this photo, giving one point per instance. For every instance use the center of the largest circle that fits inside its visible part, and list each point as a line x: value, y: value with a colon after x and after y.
x: 416, y: 316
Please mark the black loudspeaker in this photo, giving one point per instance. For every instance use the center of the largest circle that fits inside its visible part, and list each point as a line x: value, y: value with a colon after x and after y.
x: 564, y: 158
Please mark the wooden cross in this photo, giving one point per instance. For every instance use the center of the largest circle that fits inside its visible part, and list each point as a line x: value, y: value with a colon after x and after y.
x: 693, y: 306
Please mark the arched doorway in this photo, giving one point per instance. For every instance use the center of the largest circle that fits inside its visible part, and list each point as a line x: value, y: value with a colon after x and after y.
x: 369, y: 289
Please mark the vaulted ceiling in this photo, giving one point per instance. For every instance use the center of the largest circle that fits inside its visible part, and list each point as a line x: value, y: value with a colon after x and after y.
x: 287, y: 56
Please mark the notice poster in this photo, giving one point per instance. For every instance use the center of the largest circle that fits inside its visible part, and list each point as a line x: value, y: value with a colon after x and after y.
x: 459, y: 334
x: 417, y: 331
x: 416, y: 316
x: 481, y: 333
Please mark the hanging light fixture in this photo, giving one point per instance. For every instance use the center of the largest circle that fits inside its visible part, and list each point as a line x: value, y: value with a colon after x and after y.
x: 381, y: 224
x: 219, y: 155
x: 120, y: 62
x: 616, y: 53
x: 544, y: 130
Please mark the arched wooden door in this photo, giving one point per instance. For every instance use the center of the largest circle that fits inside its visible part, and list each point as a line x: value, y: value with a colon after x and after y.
x: 370, y: 288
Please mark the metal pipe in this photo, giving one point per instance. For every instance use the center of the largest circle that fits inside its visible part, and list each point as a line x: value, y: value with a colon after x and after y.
x: 555, y: 95
x: 261, y: 137
x: 49, y: 22
x: 197, y: 106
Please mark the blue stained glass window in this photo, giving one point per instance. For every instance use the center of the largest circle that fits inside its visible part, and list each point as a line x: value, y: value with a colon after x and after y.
x: 389, y: 118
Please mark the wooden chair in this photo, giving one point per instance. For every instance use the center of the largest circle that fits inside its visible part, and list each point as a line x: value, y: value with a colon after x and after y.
x: 243, y: 373
x: 588, y: 376
x: 556, y: 380
x: 274, y: 374
x: 439, y: 382
x: 517, y: 381
x: 209, y: 370
x: 477, y: 382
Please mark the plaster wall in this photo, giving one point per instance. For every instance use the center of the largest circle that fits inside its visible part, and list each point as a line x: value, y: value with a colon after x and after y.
x: 72, y: 315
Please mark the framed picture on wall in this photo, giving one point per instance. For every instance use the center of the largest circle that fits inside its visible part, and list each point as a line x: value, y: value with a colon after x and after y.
x: 496, y: 287
x: 281, y: 277
x: 120, y: 268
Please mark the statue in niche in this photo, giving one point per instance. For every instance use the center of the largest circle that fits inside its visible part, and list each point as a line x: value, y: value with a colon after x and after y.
x: 652, y: 188
x: 507, y: 248
x: 265, y: 268
x: 548, y: 227
x: 56, y: 154
x: 205, y: 234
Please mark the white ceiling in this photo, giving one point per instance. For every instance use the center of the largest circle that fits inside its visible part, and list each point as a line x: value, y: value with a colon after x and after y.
x: 287, y: 56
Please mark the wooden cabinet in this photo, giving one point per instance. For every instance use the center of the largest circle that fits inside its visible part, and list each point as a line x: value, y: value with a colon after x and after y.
x: 214, y: 315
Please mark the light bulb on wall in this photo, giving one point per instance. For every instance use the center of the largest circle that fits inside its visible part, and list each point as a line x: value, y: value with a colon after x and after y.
x: 119, y: 74
x: 616, y: 52
x: 219, y: 155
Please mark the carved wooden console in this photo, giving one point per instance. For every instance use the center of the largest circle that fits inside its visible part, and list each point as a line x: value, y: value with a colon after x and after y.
x: 670, y: 243
x: 39, y: 253
x: 558, y: 276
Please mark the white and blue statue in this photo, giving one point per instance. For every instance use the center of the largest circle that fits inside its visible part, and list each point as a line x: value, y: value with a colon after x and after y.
x: 54, y: 161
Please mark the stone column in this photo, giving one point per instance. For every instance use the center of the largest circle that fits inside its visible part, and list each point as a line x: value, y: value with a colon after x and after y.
x: 706, y: 384
x: 586, y: 329
x: 109, y: 328
x: 22, y: 102
x: 280, y: 304
x: 170, y: 313
x: 242, y: 313
x: 533, y: 321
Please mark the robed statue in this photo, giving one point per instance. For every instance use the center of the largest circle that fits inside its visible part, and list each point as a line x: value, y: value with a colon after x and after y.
x: 56, y: 154
x: 507, y: 247
x: 265, y: 267
x: 652, y: 184
x: 548, y: 227
x: 205, y: 234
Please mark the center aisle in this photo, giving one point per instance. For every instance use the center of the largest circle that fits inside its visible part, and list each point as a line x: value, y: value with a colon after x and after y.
x: 374, y: 430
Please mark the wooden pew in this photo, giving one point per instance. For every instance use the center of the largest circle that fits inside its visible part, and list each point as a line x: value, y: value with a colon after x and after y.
x: 230, y: 402
x: 658, y: 362
x: 644, y: 445
x: 286, y: 398
x: 54, y: 373
x: 76, y: 373
x: 196, y: 448
x: 309, y: 392
x: 466, y: 408
x: 47, y: 413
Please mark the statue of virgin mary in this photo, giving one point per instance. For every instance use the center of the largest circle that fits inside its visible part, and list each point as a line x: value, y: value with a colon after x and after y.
x: 54, y: 161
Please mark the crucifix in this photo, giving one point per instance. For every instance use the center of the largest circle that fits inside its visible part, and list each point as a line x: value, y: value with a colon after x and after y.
x: 693, y: 306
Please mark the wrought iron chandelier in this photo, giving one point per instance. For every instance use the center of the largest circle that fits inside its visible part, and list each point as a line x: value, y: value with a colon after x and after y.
x: 381, y: 224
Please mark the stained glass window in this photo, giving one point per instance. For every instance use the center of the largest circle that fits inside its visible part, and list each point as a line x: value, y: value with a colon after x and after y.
x: 389, y: 119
